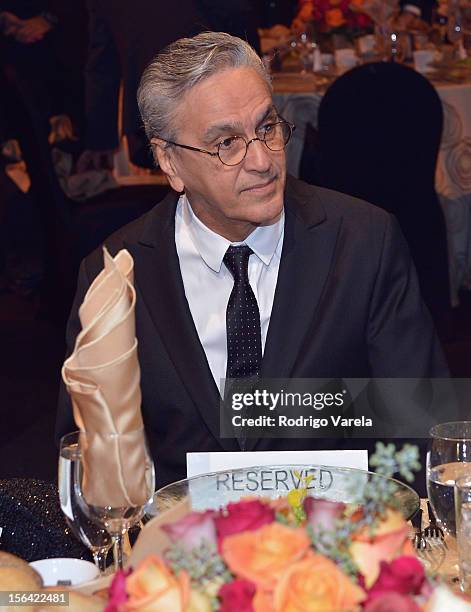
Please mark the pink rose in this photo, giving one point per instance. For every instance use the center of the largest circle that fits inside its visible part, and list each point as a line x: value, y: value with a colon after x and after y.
x: 322, y: 512
x: 237, y: 596
x: 392, y: 602
x: 404, y: 575
x: 243, y: 516
x: 117, y: 595
x: 192, y: 530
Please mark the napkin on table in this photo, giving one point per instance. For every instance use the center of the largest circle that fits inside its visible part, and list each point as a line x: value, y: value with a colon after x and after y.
x: 102, y: 377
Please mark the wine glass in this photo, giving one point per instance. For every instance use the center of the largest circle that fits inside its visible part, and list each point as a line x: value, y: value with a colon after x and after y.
x: 97, y: 539
x: 448, y: 458
x: 116, y: 518
x: 306, y: 47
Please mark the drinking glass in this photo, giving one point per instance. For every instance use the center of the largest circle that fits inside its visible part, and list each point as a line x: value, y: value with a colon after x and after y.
x: 463, y: 529
x: 306, y: 47
x: 448, y: 458
x: 97, y: 539
x: 116, y: 520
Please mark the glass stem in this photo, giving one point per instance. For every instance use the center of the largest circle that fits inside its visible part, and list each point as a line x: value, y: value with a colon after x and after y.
x: 99, y: 557
x: 118, y: 551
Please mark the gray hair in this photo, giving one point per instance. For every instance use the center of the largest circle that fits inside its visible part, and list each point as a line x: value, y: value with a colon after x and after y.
x: 179, y: 67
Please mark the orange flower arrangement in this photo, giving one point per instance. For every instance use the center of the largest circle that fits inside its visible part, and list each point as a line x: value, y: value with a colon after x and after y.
x: 271, y: 563
x: 301, y: 554
x: 333, y: 15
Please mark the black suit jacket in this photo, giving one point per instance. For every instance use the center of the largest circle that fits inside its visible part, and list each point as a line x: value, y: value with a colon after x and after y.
x: 347, y: 304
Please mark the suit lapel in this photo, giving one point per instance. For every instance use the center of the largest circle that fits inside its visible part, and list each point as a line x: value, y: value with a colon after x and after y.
x: 308, y: 252
x: 159, y: 280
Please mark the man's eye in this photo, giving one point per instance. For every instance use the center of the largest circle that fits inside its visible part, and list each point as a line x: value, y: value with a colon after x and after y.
x: 267, y: 129
x: 227, y: 143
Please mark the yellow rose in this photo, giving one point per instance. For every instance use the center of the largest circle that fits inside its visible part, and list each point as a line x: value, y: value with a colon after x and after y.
x: 152, y: 586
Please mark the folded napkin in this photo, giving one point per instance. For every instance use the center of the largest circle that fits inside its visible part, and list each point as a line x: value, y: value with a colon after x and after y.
x: 102, y: 377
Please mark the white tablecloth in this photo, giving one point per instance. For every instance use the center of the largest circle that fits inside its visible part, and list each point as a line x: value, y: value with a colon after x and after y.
x: 453, y: 179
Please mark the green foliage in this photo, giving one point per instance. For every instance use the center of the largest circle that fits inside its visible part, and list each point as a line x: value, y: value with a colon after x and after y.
x: 373, y: 495
x: 203, y: 563
x: 388, y: 461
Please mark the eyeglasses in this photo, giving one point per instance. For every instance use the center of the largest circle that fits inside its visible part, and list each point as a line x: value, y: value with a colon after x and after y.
x: 232, y: 151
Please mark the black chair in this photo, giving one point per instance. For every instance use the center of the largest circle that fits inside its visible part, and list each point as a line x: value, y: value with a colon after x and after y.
x: 379, y: 131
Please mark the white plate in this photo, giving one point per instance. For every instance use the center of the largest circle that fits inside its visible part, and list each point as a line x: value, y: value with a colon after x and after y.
x: 77, y: 571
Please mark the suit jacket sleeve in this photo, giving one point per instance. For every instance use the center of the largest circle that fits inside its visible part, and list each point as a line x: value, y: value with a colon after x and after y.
x: 400, y: 329
x: 102, y: 81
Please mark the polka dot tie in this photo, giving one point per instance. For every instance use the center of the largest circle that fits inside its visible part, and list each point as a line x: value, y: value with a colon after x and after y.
x: 244, y: 344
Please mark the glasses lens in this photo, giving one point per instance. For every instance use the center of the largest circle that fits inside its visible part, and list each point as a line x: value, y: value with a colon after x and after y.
x: 232, y: 150
x: 277, y: 135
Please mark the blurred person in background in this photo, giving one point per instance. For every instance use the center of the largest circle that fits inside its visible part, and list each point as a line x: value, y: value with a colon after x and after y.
x: 420, y: 9
x: 42, y: 56
x: 41, y: 87
x: 123, y: 38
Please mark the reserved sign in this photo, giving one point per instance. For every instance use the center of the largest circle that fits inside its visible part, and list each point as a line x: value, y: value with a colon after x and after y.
x: 271, y: 474
x: 204, y: 463
x: 283, y: 480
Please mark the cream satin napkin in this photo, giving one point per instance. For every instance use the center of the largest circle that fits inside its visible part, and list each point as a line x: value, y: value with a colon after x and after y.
x: 102, y: 377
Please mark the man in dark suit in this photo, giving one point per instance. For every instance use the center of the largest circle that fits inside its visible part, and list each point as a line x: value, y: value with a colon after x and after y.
x: 246, y: 273
x: 123, y: 38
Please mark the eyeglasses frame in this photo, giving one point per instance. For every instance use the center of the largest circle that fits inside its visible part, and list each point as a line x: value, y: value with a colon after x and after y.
x: 247, y: 143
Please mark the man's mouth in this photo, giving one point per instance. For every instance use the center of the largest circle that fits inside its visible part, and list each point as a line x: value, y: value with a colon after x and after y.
x: 261, y: 187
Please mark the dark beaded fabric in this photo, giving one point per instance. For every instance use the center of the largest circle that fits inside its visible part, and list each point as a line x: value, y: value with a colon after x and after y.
x: 33, y: 526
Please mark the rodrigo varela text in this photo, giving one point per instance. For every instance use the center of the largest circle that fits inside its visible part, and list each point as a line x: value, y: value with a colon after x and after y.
x: 282, y: 420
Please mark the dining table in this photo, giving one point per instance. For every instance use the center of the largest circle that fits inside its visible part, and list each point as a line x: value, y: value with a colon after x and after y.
x: 298, y: 96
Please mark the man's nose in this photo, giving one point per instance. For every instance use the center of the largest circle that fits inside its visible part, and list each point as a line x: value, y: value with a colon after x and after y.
x: 258, y: 156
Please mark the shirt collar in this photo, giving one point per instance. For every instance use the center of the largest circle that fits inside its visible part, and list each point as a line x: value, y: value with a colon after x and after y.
x: 212, y: 247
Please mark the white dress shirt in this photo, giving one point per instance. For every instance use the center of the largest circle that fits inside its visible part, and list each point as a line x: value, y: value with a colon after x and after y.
x: 208, y: 283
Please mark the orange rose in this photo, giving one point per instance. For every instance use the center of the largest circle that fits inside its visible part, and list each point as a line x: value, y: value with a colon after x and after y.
x: 263, y: 601
x: 316, y: 584
x: 152, y: 586
x: 334, y: 18
x: 389, y: 541
x: 263, y: 555
x: 357, y: 4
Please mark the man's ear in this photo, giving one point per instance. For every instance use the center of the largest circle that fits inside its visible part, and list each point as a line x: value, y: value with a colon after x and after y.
x: 165, y: 158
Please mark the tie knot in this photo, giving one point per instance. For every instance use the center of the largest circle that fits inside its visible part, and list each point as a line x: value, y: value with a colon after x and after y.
x: 237, y: 260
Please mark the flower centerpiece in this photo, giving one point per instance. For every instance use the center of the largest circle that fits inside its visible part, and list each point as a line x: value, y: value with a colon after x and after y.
x: 291, y: 554
x: 330, y: 20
